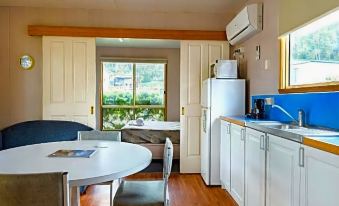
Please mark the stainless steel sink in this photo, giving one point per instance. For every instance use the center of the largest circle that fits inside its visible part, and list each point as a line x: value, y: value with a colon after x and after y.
x: 278, y: 125
x: 285, y: 126
x: 289, y: 130
x: 280, y: 129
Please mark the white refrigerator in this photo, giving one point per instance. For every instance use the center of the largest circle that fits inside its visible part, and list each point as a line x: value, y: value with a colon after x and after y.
x: 220, y: 97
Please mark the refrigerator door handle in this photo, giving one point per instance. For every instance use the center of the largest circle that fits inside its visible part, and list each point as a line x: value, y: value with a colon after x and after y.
x: 204, y: 120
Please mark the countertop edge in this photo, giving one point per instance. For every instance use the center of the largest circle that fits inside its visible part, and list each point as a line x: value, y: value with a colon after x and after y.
x: 234, y: 121
x: 324, y: 146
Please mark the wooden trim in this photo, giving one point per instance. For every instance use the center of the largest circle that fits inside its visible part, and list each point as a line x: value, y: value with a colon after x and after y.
x: 283, y: 62
x: 324, y: 88
x: 334, y: 149
x: 38, y: 30
x: 134, y: 61
x: 284, y: 84
x: 234, y: 121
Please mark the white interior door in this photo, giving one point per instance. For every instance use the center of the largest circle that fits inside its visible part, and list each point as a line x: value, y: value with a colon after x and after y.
x: 69, y: 79
x: 195, y: 60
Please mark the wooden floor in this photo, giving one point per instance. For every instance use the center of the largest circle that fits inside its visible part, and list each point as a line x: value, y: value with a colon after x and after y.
x: 185, y: 190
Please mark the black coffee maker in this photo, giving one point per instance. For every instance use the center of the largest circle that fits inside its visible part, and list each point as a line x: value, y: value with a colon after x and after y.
x: 258, y: 110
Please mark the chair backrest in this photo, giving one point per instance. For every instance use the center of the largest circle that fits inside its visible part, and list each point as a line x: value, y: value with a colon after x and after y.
x: 167, y: 167
x: 99, y: 135
x: 40, y: 131
x: 34, y: 189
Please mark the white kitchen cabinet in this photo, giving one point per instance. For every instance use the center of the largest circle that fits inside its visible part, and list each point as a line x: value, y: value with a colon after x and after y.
x: 255, y: 157
x: 238, y: 163
x: 320, y: 178
x: 283, y: 172
x: 225, y: 155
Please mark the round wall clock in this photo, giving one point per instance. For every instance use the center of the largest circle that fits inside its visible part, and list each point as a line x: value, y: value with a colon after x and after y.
x: 26, y: 62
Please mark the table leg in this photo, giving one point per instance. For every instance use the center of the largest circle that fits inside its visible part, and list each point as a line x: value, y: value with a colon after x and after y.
x: 75, y: 196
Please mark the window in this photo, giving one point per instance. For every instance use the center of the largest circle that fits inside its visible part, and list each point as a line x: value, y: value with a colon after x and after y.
x: 132, y: 89
x: 310, y: 56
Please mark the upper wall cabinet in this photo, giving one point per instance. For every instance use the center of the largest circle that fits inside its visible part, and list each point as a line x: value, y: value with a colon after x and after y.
x: 69, y: 79
x: 196, y: 57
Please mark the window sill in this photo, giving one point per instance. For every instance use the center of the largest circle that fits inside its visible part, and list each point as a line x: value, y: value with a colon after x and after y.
x: 325, y: 88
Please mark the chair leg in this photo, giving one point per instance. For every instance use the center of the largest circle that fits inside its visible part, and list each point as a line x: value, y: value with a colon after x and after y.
x: 111, y: 195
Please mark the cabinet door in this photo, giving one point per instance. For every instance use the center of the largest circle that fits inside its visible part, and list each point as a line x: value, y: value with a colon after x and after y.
x: 69, y: 79
x: 238, y: 163
x: 283, y: 172
x: 195, y: 59
x: 320, y: 178
x: 255, y: 154
x: 225, y: 155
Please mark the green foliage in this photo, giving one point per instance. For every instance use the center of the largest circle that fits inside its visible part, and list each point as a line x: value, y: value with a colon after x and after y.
x: 116, y: 118
x: 150, y: 72
x: 150, y: 114
x: 321, y: 45
x: 117, y: 98
x: 149, y: 86
x: 118, y: 68
x: 145, y: 98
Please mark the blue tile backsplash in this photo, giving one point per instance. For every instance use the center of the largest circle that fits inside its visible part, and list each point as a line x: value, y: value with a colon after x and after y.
x: 321, y: 109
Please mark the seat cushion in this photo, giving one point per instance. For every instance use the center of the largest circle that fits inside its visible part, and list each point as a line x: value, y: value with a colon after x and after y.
x: 150, y: 193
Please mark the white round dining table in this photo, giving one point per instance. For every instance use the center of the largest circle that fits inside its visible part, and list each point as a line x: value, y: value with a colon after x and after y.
x: 111, y: 161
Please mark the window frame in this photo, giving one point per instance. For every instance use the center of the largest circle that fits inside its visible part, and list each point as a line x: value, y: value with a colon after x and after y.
x: 134, y: 61
x: 284, y: 82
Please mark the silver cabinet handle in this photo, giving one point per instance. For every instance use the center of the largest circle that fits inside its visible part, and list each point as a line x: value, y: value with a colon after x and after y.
x: 262, y: 142
x: 267, y: 142
x: 242, y: 134
x: 301, y: 157
x: 229, y: 129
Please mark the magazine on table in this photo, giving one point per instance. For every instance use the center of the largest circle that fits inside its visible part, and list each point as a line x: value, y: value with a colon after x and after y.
x: 73, y: 153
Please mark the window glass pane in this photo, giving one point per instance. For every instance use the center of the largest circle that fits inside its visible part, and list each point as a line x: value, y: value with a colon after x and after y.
x: 116, y: 118
x: 117, y: 83
x: 314, y: 52
x: 150, y: 114
x: 150, y: 84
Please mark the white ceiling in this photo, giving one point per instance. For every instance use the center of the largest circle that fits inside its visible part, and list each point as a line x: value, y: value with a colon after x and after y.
x: 180, y: 6
x: 137, y: 43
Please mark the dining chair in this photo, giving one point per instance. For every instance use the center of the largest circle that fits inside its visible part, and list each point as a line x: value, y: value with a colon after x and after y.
x: 99, y: 135
x: 43, y: 189
x: 150, y: 192
x: 105, y: 136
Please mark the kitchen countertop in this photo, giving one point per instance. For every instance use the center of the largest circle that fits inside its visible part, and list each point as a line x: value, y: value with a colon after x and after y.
x: 239, y: 120
x: 326, y: 143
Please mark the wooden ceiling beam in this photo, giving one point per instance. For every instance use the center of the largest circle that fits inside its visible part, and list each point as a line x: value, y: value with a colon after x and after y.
x: 36, y: 30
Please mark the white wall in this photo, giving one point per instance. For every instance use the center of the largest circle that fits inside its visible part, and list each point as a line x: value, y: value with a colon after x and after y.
x: 260, y: 80
x: 21, y: 91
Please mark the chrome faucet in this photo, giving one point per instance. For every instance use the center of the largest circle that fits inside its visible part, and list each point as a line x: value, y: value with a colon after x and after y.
x: 301, y: 118
x: 301, y: 115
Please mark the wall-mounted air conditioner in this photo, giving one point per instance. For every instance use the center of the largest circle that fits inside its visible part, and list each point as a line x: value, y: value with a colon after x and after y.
x: 247, y: 23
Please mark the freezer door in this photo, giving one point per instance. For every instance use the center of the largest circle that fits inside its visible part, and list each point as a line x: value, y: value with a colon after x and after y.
x: 205, y: 145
